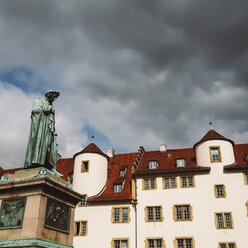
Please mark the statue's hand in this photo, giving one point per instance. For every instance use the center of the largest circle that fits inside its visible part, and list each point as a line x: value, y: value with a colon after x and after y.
x: 49, y: 110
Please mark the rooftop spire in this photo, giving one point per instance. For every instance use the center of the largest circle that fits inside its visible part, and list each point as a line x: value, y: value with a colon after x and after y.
x: 210, y: 121
x: 92, y: 136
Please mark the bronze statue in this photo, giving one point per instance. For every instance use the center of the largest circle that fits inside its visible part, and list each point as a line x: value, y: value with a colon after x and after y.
x: 42, y: 144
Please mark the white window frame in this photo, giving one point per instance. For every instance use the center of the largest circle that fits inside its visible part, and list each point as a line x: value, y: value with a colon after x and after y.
x: 153, y: 164
x: 180, y: 162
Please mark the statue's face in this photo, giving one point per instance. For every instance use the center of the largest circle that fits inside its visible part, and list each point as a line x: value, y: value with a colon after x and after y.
x: 51, y: 97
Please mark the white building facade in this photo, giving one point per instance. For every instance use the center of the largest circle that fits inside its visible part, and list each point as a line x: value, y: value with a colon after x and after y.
x: 173, y: 198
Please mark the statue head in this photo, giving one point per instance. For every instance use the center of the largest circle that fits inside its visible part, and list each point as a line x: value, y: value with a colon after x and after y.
x: 51, y: 95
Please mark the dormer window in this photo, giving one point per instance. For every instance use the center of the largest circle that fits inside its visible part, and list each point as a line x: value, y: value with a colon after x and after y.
x: 153, y: 164
x: 246, y: 157
x: 180, y: 162
x: 118, y: 188
x: 70, y: 177
x: 123, y: 172
x: 215, y: 156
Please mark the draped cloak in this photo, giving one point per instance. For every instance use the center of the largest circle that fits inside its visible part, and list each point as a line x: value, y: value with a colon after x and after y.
x: 42, y: 144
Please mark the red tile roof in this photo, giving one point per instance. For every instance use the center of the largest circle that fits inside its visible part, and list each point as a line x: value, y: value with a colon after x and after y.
x: 91, y: 148
x: 65, y: 166
x: 9, y: 171
x: 241, y: 158
x: 167, y: 162
x: 212, y: 135
x: 118, y: 162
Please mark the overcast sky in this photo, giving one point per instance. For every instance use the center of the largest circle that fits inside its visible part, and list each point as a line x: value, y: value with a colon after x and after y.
x: 138, y: 72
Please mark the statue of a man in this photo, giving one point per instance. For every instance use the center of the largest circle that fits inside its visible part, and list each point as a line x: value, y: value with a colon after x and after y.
x: 42, y: 144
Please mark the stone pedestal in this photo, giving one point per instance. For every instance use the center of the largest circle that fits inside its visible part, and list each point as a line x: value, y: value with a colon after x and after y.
x: 37, y: 210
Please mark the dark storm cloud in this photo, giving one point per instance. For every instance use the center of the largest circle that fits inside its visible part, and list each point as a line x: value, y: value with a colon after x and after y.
x: 152, y: 69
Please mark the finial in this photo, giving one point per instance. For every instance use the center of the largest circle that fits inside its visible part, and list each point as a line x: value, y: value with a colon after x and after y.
x: 92, y: 136
x: 210, y: 121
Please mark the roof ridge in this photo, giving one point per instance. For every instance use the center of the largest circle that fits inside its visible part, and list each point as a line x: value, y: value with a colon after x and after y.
x: 91, y: 148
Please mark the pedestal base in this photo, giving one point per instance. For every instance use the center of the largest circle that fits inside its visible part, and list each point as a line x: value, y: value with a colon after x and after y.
x: 37, y: 210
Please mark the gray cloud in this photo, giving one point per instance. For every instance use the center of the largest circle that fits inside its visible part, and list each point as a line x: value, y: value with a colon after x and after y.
x: 141, y: 72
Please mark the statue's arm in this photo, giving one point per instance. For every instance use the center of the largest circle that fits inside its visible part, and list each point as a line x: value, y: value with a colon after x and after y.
x: 40, y: 106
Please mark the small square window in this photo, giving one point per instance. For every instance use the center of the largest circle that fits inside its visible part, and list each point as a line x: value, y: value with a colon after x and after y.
x: 153, y: 213
x: 80, y: 228
x: 153, y: 164
x: 223, y: 220
x: 120, y: 215
x: 120, y: 243
x: 170, y: 182
x: 85, y: 166
x: 227, y: 245
x: 187, y: 181
x: 246, y: 178
x: 219, y: 191
x: 83, y: 202
x: 149, y: 183
x: 118, y: 188
x: 123, y: 172
x: 215, y: 156
x: 182, y: 213
x: 180, y: 162
x: 184, y: 243
x: 70, y: 177
x: 155, y: 243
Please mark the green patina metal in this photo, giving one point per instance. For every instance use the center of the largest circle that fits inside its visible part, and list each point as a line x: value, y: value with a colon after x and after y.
x: 42, y: 144
x: 31, y: 243
x: 57, y: 216
x: 11, y: 213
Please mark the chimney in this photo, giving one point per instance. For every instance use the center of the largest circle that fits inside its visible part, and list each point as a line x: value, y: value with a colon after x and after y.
x: 163, y: 148
x: 111, y: 153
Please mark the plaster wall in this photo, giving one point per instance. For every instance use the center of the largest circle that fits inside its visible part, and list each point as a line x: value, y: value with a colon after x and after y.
x: 101, y: 230
x: 93, y: 181
x: 203, y: 153
x: 204, y: 204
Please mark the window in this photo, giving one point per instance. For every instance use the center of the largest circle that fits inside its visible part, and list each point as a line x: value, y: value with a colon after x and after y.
x: 123, y: 172
x: 80, y: 228
x: 181, y: 162
x: 187, y: 181
x: 120, y: 243
x: 246, y: 178
x: 83, y: 202
x: 170, y: 182
x: 85, y: 166
x: 219, y: 191
x: 155, y: 243
x: 184, y: 243
x: 70, y: 177
x: 215, y: 155
x: 149, y: 183
x: 153, y: 213
x: 223, y: 220
x: 153, y: 164
x: 182, y: 212
x: 227, y: 245
x: 118, y: 188
x: 120, y: 215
